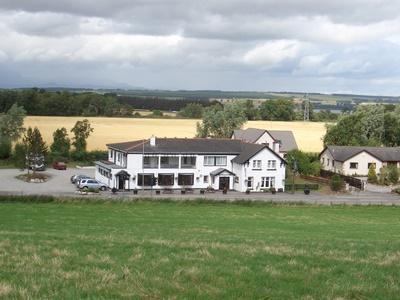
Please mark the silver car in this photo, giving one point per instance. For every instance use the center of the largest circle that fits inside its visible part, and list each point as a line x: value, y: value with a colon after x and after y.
x: 85, y: 184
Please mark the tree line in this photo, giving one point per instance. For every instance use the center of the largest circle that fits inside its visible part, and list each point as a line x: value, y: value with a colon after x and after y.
x: 30, y: 148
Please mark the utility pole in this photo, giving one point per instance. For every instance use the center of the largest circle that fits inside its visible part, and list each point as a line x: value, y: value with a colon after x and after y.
x: 306, y: 104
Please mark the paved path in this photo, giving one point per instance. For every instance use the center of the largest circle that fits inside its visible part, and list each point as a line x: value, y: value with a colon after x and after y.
x: 59, y: 185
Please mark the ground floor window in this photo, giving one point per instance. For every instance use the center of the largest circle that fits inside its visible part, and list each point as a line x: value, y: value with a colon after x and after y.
x: 267, y: 182
x: 185, y: 179
x: 250, y: 181
x: 353, y: 165
x: 165, y: 179
x: 145, y: 179
x: 104, y: 172
x: 205, y: 179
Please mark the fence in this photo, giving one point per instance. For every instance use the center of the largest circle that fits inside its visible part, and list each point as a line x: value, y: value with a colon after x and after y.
x: 320, y: 180
x: 352, y: 181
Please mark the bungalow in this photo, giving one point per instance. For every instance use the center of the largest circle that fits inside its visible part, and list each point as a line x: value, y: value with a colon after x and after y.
x: 280, y: 141
x: 174, y: 163
x: 350, y: 160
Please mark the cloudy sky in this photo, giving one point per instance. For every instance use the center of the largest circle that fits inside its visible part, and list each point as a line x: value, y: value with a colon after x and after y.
x: 344, y: 46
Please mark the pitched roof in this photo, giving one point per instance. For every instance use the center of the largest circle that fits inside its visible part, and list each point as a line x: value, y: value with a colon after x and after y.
x: 251, y: 135
x: 219, y: 171
x: 249, y: 150
x: 343, y: 153
x: 286, y: 138
x: 181, y: 146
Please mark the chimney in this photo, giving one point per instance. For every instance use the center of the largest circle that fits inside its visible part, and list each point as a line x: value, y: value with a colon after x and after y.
x: 152, y: 141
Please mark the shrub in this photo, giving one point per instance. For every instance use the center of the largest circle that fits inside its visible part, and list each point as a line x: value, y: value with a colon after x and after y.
x: 19, y: 156
x: 372, y: 178
x: 384, y: 176
x: 393, y: 174
x: 336, y: 183
x: 5, y: 149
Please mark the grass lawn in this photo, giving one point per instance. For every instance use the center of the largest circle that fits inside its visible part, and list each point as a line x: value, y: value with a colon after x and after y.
x: 182, y: 250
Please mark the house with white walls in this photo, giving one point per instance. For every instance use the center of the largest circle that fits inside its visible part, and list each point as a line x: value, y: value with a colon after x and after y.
x: 280, y: 141
x: 356, y: 161
x: 181, y: 163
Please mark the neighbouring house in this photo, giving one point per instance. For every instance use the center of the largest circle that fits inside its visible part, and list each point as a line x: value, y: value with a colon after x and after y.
x: 280, y: 141
x: 176, y: 163
x: 355, y: 161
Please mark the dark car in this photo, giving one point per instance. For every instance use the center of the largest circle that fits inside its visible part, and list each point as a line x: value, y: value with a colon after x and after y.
x: 58, y: 165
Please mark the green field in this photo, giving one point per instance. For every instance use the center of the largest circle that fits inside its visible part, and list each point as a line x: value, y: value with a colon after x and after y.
x: 198, y: 250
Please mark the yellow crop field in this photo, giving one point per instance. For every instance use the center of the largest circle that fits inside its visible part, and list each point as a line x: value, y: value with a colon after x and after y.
x: 111, y: 130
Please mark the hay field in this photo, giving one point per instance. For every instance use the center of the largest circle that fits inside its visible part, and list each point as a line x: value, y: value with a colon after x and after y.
x: 112, y: 130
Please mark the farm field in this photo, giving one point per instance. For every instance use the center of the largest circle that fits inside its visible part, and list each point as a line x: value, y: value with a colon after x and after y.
x: 111, y: 130
x: 196, y: 250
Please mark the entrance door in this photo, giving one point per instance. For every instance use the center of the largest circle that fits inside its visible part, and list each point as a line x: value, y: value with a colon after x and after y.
x: 224, y: 183
x: 121, y: 182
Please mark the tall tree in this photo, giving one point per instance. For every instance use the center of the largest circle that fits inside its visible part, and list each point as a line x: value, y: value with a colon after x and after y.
x: 61, y: 143
x: 35, y: 148
x: 192, y: 110
x: 12, y: 123
x: 82, y: 131
x: 277, y: 110
x: 220, y: 122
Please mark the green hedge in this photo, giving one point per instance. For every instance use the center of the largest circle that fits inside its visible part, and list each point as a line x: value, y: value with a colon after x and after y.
x: 301, y: 187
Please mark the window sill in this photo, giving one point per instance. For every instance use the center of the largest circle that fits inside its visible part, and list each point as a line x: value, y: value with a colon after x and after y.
x: 271, y: 169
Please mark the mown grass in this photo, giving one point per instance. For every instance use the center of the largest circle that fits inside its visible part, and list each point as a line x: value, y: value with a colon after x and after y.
x: 53, y: 248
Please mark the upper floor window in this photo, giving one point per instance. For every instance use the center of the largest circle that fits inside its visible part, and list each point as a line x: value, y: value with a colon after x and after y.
x: 215, y: 160
x: 271, y: 165
x: 353, y: 165
x: 169, y: 162
x: 188, y: 162
x: 111, y: 153
x: 150, y: 162
x: 256, y: 164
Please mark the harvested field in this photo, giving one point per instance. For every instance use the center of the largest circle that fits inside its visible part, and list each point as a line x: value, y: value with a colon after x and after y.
x: 110, y: 130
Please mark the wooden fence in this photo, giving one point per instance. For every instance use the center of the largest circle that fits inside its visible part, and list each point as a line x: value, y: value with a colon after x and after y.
x: 352, y: 181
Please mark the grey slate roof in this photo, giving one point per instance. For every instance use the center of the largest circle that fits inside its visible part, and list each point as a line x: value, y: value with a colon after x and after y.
x: 249, y: 150
x: 181, y: 146
x: 251, y: 135
x: 244, y: 151
x: 219, y: 171
x: 385, y: 154
x: 286, y: 138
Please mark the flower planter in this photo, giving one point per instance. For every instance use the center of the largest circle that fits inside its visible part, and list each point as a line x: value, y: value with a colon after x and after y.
x: 158, y: 192
x: 202, y: 192
x: 247, y: 192
x: 135, y: 192
x: 307, y: 191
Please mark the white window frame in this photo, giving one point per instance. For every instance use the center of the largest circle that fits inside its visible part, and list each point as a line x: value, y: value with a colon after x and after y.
x: 257, y: 164
x: 211, y: 160
x: 251, y: 180
x: 267, y: 182
x: 271, y: 165
x: 205, y: 179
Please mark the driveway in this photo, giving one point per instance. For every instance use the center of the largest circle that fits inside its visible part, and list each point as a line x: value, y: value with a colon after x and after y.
x: 58, y: 184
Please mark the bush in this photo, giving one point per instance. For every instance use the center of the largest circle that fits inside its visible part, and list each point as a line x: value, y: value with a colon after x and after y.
x: 393, y: 174
x: 19, y: 156
x: 372, y: 178
x: 336, y: 183
x: 384, y: 176
x: 5, y: 149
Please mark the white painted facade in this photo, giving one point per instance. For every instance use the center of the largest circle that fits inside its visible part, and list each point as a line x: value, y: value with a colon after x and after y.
x: 265, y: 169
x: 357, y: 165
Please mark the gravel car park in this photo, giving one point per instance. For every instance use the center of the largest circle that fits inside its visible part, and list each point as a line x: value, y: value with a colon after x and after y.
x: 59, y: 182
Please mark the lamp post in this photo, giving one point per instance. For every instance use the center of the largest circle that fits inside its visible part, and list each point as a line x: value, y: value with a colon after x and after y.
x: 294, y: 170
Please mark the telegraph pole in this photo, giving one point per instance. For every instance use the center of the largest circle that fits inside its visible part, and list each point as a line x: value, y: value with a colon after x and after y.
x: 306, y: 104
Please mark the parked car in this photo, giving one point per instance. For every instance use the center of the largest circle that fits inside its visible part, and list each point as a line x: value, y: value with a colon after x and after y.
x: 75, y: 178
x: 85, y: 184
x: 58, y: 165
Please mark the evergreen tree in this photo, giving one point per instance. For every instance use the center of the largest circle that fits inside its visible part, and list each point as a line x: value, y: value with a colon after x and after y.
x: 372, y: 178
x: 82, y: 131
x: 61, y: 143
x: 35, y: 148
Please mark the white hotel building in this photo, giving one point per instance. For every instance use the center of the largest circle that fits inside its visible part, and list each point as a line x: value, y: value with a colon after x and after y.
x: 173, y: 163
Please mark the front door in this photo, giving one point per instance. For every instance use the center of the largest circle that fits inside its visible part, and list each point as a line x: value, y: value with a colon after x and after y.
x: 224, y: 183
x: 121, y: 182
